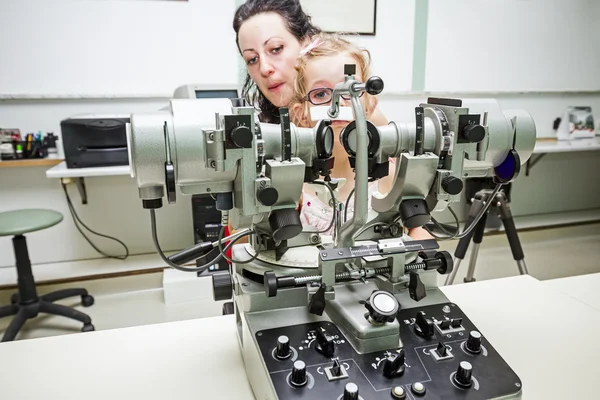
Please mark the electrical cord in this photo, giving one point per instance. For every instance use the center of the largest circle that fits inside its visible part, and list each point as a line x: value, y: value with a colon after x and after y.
x: 77, y: 220
x: 192, y: 269
x: 348, y: 204
x: 473, y: 224
x: 222, y: 250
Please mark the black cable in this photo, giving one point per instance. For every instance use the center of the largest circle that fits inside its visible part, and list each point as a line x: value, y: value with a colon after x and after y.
x: 347, y: 204
x: 77, y: 219
x: 223, y: 250
x: 442, y: 228
x: 180, y: 267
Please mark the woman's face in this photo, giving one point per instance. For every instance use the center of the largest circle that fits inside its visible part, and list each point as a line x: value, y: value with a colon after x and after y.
x: 270, y: 52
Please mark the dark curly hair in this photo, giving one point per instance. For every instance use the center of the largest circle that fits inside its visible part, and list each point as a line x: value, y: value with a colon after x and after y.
x: 298, y: 24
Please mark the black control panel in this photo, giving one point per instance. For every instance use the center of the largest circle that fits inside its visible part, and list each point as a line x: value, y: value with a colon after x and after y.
x: 444, y: 356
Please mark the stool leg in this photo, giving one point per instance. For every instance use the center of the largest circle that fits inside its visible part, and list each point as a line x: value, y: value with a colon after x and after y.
x: 59, y: 309
x: 9, y: 310
x: 63, y: 294
x: 15, y: 326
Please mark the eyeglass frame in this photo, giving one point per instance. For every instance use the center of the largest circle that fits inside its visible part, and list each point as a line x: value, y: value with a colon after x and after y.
x: 343, y: 96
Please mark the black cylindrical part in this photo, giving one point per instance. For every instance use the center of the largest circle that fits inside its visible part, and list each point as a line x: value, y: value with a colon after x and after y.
x: 480, y: 229
x: 464, y: 374
x: 191, y: 253
x: 283, y: 347
x: 473, y: 344
x: 222, y: 286
x: 286, y: 281
x: 463, y: 243
x: 27, y: 292
x: 298, y: 376
x: 351, y: 391
x: 513, y: 238
x: 224, y: 201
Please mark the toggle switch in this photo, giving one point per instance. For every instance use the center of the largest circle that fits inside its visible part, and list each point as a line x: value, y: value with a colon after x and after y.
x: 336, y: 372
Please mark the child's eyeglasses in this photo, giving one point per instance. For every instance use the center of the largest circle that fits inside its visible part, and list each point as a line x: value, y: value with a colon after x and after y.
x: 324, y: 95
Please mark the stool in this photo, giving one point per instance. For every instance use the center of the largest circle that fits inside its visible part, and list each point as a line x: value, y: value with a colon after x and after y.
x: 26, y: 304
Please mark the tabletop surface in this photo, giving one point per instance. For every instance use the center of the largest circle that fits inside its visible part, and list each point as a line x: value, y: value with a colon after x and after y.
x: 544, y: 335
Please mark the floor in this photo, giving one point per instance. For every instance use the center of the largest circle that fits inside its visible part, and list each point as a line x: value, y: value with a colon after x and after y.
x: 138, y: 300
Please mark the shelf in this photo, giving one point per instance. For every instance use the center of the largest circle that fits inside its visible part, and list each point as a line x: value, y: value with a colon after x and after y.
x: 563, y: 146
x: 61, y: 171
x: 36, y: 162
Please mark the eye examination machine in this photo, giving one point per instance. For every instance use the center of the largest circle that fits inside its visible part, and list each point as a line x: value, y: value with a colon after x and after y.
x: 357, y: 314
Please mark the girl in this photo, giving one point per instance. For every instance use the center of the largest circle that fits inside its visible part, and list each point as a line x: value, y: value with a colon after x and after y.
x: 319, y: 68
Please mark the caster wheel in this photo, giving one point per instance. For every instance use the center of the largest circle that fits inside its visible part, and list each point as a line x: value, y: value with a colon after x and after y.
x: 87, y: 300
x: 88, y: 328
x: 14, y: 299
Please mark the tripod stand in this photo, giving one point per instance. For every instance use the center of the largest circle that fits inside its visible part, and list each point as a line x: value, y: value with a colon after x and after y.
x: 500, y: 203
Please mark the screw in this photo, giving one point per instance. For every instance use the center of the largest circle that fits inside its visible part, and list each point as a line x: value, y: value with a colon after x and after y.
x: 323, y: 254
x: 208, y: 189
x: 341, y: 253
x: 259, y: 334
x: 211, y: 136
x: 314, y: 239
x: 517, y: 384
x: 263, y: 184
x: 213, y: 164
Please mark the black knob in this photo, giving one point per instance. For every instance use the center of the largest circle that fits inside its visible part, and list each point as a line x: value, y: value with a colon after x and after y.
x: 325, y: 343
x: 351, y: 391
x: 416, y: 289
x: 241, y: 136
x: 285, y: 224
x: 473, y: 344
x: 222, y: 286
x: 393, y: 365
x: 298, y: 377
x: 473, y: 133
x: 452, y: 185
x: 283, y: 347
x: 349, y: 69
x: 414, y: 213
x: 374, y: 85
x: 382, y: 306
x: 268, y: 196
x: 423, y: 325
x: 463, y: 374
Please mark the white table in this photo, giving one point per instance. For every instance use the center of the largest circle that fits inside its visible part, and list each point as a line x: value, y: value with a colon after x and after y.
x: 585, y: 288
x: 547, y: 338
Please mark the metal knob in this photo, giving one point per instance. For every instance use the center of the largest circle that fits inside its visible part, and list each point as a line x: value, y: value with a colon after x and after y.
x: 283, y: 347
x: 464, y: 374
x: 473, y: 344
x: 351, y: 391
x: 298, y: 377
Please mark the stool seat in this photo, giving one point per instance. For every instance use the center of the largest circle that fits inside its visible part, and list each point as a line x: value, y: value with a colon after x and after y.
x: 19, y: 222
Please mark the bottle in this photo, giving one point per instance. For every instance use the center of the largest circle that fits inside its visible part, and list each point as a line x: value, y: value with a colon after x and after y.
x: 51, y: 145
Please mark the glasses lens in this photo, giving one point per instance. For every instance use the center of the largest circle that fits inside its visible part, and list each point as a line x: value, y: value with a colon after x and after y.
x: 320, y: 96
x: 348, y: 97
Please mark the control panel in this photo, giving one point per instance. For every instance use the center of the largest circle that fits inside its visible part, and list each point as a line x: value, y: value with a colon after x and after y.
x: 444, y: 356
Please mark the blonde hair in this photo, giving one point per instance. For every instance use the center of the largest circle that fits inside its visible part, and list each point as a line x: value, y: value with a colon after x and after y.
x: 323, y: 45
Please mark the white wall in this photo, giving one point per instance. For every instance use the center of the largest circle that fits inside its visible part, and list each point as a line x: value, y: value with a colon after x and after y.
x: 513, y: 45
x: 114, y: 47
